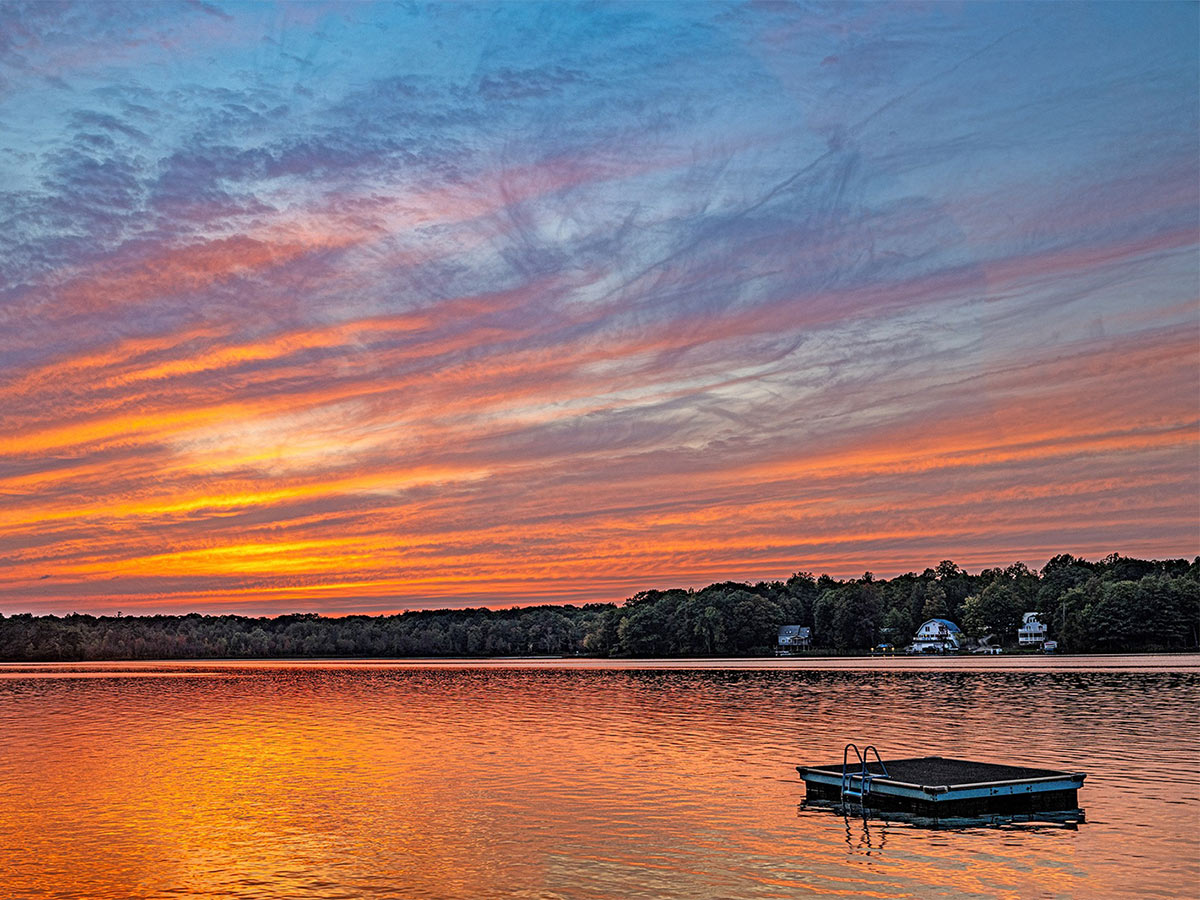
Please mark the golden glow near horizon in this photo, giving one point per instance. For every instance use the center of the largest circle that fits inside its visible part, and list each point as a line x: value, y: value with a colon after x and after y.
x: 464, y: 358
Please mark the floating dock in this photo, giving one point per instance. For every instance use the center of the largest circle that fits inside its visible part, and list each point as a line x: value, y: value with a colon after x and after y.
x: 935, y: 787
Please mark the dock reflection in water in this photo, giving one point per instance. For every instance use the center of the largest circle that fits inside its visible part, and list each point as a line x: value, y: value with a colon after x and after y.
x: 1068, y: 819
x: 572, y: 780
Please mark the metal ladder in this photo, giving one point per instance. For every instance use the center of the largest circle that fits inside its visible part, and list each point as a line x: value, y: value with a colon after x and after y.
x: 864, y: 775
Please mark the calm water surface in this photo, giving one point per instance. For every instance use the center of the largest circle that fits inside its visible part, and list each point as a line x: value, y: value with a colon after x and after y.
x: 577, y: 780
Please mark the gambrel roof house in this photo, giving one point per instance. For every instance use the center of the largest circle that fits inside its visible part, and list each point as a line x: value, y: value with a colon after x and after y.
x: 937, y: 634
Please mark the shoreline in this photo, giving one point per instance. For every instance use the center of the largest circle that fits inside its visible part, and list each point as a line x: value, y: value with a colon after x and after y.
x: 1122, y: 662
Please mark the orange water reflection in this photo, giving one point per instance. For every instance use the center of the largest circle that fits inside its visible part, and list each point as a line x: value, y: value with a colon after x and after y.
x: 331, y: 780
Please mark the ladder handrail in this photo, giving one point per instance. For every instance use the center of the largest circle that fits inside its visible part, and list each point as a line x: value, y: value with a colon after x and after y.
x: 878, y: 759
x: 864, y: 773
x: 845, y: 762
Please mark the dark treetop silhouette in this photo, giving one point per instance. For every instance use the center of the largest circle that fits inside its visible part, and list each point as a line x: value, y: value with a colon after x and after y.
x: 1117, y: 604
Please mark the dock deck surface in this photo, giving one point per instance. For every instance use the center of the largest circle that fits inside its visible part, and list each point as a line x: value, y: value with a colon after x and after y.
x: 930, y: 771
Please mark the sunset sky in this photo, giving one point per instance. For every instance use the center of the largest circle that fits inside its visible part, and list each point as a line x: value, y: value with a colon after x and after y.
x: 313, y: 307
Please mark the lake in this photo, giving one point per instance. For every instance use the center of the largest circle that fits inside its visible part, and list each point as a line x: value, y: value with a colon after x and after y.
x: 578, y: 779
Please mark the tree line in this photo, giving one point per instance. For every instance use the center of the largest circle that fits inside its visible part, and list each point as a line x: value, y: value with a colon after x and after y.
x: 1116, y: 604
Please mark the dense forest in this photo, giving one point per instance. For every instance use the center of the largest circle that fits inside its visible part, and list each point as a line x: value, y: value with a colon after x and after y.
x: 1116, y: 604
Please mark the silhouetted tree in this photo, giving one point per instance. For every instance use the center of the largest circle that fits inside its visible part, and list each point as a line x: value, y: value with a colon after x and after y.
x: 1119, y: 603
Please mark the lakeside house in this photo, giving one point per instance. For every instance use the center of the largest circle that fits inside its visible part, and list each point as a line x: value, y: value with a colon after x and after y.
x: 937, y: 635
x: 1032, y: 632
x: 793, y: 637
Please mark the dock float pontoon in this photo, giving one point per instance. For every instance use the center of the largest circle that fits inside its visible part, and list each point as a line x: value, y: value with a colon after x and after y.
x: 934, y: 787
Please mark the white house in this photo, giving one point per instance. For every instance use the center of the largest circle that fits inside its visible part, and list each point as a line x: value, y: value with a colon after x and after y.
x: 937, y: 634
x: 793, y: 637
x: 1032, y: 632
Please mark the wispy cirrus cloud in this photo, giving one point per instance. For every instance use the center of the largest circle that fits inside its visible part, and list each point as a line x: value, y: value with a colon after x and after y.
x: 364, y: 308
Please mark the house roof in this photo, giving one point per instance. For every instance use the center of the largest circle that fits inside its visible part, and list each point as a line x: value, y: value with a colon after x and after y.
x: 949, y: 625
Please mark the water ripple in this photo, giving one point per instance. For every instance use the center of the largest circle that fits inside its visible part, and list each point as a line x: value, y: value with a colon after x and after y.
x: 571, y: 780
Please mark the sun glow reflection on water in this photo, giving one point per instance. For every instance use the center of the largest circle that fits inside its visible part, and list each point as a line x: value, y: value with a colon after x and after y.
x: 541, y: 779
